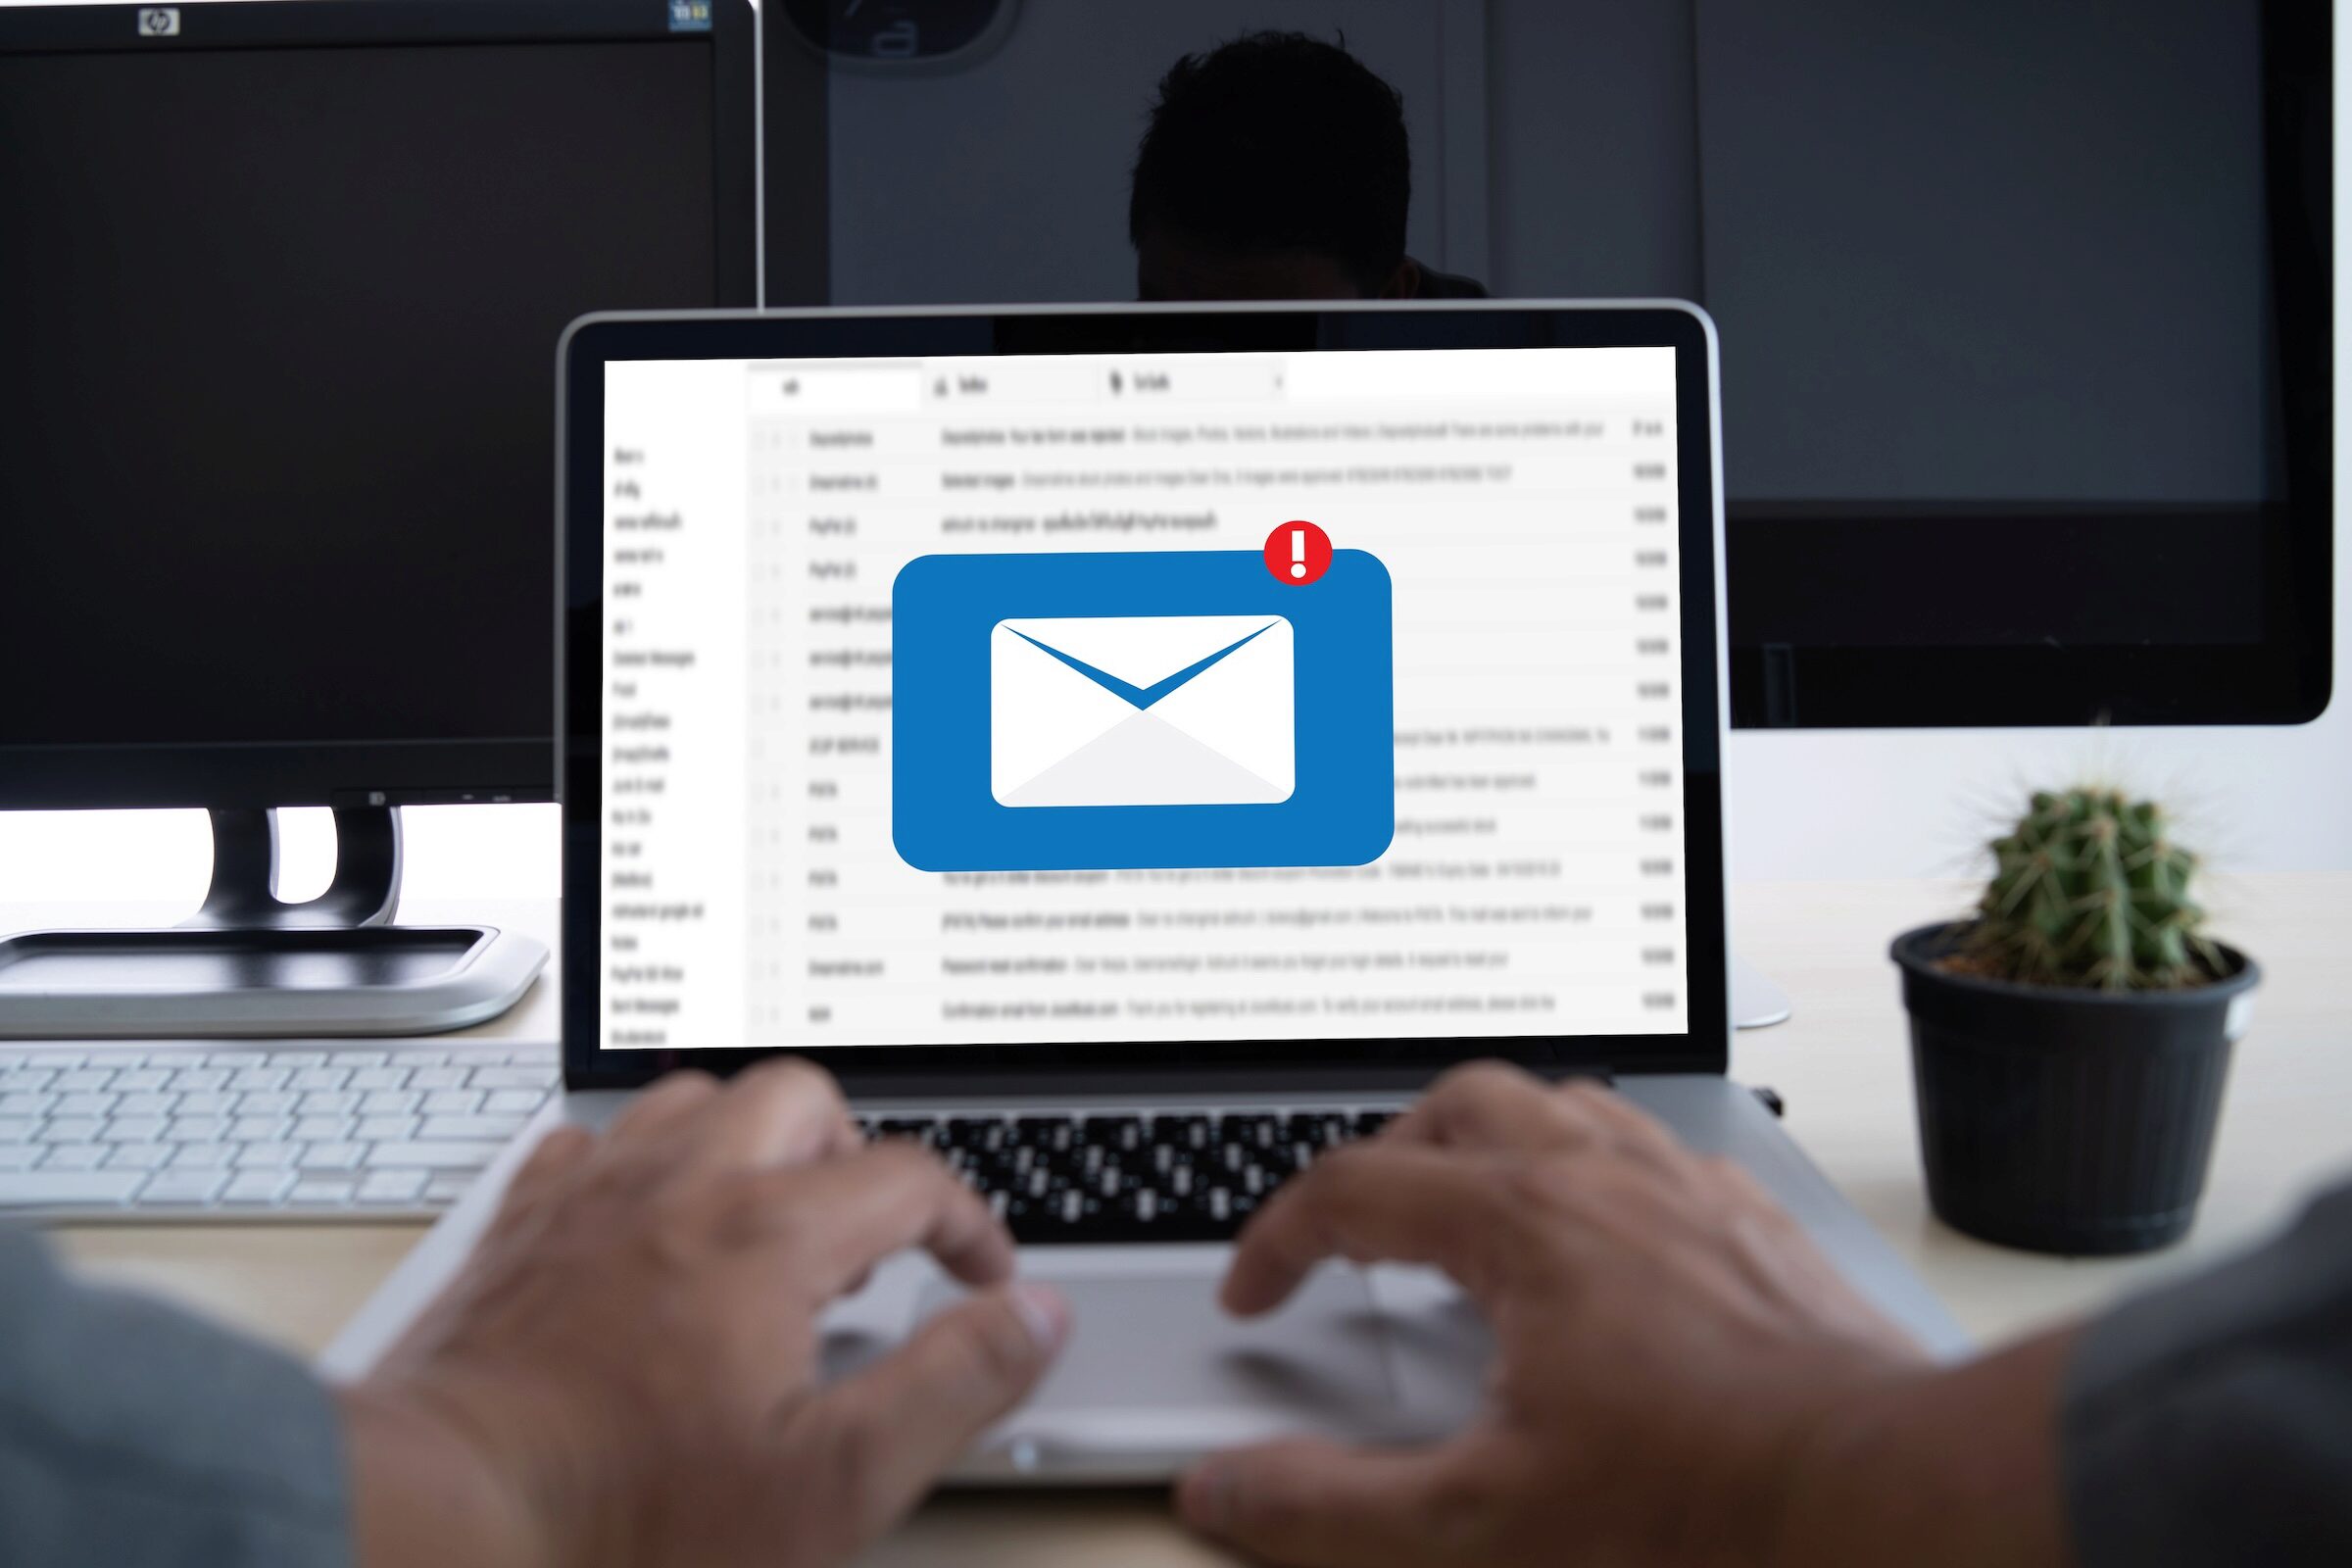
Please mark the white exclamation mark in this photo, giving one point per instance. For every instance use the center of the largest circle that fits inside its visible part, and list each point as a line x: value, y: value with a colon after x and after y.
x: 1298, y: 552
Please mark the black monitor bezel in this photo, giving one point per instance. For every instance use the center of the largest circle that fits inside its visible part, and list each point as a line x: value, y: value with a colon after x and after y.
x: 1204, y: 1067
x: 1817, y: 581
x: 389, y: 771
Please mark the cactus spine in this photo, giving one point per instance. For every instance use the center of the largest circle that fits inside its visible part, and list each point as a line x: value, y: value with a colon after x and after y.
x: 2087, y: 891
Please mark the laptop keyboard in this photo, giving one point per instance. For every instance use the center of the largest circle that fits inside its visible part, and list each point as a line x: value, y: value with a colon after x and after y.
x: 258, y: 1132
x: 1129, y: 1178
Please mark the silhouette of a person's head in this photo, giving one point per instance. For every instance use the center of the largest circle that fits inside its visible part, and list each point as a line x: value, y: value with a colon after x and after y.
x: 1275, y: 167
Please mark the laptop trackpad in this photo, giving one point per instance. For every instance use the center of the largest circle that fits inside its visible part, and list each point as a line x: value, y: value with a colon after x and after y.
x: 1161, y: 1345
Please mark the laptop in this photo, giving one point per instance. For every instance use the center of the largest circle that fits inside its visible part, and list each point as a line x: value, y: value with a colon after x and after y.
x: 1135, y: 748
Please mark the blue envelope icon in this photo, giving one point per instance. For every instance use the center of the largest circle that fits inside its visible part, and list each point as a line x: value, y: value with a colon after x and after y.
x: 1136, y: 709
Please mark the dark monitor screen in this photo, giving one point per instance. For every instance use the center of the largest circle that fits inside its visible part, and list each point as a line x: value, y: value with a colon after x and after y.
x: 2025, y: 309
x: 2026, y: 371
x: 276, y: 425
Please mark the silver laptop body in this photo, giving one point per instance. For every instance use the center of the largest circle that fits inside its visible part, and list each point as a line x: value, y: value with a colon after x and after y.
x: 981, y: 958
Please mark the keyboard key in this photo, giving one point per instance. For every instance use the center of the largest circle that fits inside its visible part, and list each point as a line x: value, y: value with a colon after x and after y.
x: 134, y: 1130
x: 320, y: 1080
x: 451, y: 1155
x: 514, y: 1102
x: 62, y: 1188
x: 83, y: 1104
x: 19, y: 1156
x: 390, y: 1103
x: 268, y: 1102
x: 206, y: 1103
x: 446, y: 1187
x: 266, y: 1156
x: 257, y: 1129
x: 73, y: 1157
x: 378, y: 1078
x: 333, y: 1157
x: 256, y: 1080
x: 82, y: 1080
x: 26, y: 1080
x: 199, y: 1080
x: 391, y: 1187
x: 384, y: 1129
x: 498, y: 1128
x: 17, y: 1129
x: 139, y: 1080
x: 202, y: 1156
x: 195, y: 1130
x: 511, y: 1078
x: 70, y: 1130
x: 261, y: 1188
x: 26, y: 1104
x: 455, y: 1101
x: 55, y: 1058
x: 437, y: 1078
x: 176, y: 1188
x: 145, y: 1104
x: 320, y: 1129
x: 316, y: 1191
x: 138, y: 1156
x: 338, y: 1103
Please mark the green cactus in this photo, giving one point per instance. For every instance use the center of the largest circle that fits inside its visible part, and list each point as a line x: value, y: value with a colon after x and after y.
x: 2087, y: 891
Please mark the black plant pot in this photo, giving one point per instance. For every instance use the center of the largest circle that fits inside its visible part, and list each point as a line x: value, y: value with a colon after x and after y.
x: 2066, y: 1120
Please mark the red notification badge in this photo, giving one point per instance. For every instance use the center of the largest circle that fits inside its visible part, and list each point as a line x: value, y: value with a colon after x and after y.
x: 1297, y: 553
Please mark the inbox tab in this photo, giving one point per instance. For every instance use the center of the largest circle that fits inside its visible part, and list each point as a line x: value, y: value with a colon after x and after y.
x: 1139, y: 709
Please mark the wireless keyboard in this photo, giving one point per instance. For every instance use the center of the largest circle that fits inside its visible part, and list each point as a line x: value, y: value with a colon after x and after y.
x: 304, y: 1131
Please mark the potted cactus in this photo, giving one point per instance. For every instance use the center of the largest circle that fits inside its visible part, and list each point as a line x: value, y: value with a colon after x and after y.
x: 2069, y: 1041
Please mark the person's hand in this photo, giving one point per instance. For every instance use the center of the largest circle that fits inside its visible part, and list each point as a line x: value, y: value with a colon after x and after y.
x: 1680, y: 1377
x: 627, y: 1371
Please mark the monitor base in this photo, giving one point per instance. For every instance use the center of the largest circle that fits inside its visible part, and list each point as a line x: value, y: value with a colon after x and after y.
x: 249, y: 965
x: 263, y: 982
x: 1757, y: 1002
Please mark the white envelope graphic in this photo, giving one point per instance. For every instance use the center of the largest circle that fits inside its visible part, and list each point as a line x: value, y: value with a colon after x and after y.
x: 1142, y: 711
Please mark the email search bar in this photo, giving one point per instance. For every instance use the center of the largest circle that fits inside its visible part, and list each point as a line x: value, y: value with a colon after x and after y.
x: 1192, y: 378
x: 821, y: 391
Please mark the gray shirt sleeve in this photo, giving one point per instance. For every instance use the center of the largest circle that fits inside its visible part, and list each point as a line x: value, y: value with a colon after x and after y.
x: 2211, y: 1423
x: 135, y: 1436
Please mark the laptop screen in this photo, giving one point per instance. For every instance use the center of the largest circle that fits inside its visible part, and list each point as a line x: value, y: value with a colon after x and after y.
x: 1133, y: 698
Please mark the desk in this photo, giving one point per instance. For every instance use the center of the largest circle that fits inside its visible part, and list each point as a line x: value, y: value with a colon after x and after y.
x: 1842, y: 1064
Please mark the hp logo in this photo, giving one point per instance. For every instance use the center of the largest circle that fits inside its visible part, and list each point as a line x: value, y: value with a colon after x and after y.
x: 158, y: 22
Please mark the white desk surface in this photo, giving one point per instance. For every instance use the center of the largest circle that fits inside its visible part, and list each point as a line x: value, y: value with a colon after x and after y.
x: 1842, y: 1063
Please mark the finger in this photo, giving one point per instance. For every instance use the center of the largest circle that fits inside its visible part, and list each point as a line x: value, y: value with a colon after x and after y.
x: 1489, y: 1104
x: 838, y: 1219
x: 1627, y: 1125
x: 905, y: 1419
x: 659, y: 1110
x: 781, y: 1112
x: 1310, y: 1503
x: 1492, y: 1106
x: 1377, y: 1202
x: 544, y: 1171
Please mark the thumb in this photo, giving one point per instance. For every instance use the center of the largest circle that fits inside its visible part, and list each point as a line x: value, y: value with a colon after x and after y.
x: 911, y: 1415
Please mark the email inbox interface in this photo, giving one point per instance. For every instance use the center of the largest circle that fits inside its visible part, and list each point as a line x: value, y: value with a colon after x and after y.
x: 969, y: 701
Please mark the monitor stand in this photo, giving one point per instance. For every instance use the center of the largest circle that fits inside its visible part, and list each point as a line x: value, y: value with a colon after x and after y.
x: 250, y: 965
x: 1757, y: 1002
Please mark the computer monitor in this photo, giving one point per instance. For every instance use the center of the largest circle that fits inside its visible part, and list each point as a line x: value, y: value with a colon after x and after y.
x: 2025, y: 309
x: 279, y: 315
x: 2028, y: 367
